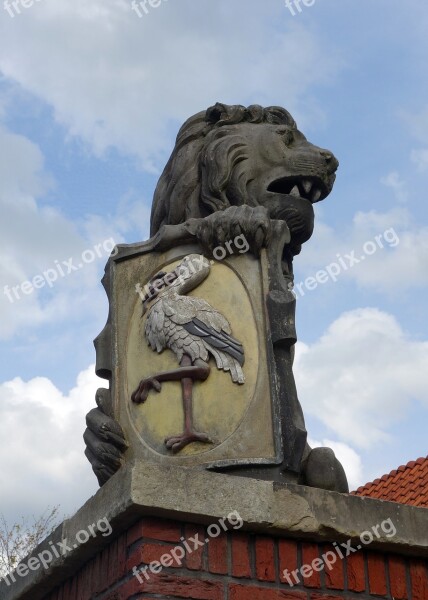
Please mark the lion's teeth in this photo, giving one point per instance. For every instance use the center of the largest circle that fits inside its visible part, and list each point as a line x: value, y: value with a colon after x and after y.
x: 295, y: 192
x: 307, y: 186
x: 316, y: 196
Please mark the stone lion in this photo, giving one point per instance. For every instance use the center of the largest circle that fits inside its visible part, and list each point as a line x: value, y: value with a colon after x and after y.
x: 232, y: 157
x: 234, y: 169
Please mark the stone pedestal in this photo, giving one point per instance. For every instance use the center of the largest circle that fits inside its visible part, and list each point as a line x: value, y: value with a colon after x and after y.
x: 181, y: 533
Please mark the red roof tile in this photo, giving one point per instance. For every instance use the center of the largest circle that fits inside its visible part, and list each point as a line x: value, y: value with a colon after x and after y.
x: 407, y: 484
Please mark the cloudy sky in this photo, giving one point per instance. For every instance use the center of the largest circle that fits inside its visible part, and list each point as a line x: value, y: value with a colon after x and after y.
x: 91, y: 97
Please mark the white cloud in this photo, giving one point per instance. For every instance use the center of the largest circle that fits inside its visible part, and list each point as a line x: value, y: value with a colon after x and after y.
x: 31, y: 236
x: 397, y: 251
x: 420, y: 158
x: 398, y: 186
x: 42, y: 447
x: 417, y: 123
x: 127, y: 79
x: 361, y: 375
x: 36, y: 237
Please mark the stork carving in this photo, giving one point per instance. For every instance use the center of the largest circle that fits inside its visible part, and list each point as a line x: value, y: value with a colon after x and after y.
x: 193, y: 330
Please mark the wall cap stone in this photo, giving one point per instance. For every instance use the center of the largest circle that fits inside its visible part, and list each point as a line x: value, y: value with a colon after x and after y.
x: 199, y: 496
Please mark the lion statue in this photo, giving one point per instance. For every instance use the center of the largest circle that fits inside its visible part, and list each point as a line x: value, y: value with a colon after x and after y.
x: 245, y: 158
x: 234, y: 169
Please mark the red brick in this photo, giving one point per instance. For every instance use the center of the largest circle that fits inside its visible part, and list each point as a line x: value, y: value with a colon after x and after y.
x: 217, y: 555
x: 88, y: 581
x: 149, y: 552
x: 287, y: 550
x: 116, y: 565
x: 309, y: 553
x: 83, y: 584
x: 317, y: 596
x: 334, y: 573
x: 113, y: 555
x: 103, y: 574
x: 251, y: 592
x: 377, y: 575
x: 397, y: 578
x: 122, y: 555
x: 356, y: 573
x: 96, y: 582
x: 194, y: 559
x: 418, y: 574
x: 241, y: 565
x: 166, y: 584
x: 156, y: 529
x: 265, y: 559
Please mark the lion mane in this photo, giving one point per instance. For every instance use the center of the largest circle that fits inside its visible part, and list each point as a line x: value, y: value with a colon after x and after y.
x: 207, y: 168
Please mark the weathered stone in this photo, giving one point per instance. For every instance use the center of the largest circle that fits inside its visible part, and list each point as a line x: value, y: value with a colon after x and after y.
x: 235, y: 173
x: 198, y: 496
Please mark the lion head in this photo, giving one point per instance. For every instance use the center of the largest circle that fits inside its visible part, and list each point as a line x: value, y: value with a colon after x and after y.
x: 232, y: 155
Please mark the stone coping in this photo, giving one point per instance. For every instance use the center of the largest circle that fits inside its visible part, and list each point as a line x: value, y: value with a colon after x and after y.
x: 199, y: 496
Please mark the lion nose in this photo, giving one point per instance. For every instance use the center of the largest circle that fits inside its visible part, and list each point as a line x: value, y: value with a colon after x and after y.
x: 330, y: 159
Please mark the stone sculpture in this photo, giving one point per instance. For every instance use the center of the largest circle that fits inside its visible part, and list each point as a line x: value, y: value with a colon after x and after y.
x: 234, y: 171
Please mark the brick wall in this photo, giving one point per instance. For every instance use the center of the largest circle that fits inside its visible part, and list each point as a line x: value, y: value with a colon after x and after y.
x: 236, y: 566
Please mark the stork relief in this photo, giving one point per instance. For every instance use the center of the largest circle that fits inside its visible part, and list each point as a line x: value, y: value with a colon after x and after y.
x: 219, y: 253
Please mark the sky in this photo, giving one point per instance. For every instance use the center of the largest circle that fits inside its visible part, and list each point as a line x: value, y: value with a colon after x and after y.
x: 92, y: 95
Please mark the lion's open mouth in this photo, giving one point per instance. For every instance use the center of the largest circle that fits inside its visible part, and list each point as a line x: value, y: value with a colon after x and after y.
x: 309, y: 188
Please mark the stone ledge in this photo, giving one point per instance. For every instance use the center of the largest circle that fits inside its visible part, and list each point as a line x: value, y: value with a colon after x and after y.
x: 203, y: 497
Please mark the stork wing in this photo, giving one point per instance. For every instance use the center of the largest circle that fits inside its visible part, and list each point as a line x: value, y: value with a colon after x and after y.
x: 199, y: 318
x: 182, y: 309
x: 217, y: 339
x: 154, y: 328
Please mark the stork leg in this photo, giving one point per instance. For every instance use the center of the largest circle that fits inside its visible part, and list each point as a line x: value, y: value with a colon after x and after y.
x: 190, y: 371
x: 189, y: 435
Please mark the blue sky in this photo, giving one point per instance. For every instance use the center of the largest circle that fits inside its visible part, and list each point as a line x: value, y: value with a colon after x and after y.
x: 91, y: 98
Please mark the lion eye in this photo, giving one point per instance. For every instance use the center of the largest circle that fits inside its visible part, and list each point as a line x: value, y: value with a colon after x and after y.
x: 286, y: 134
